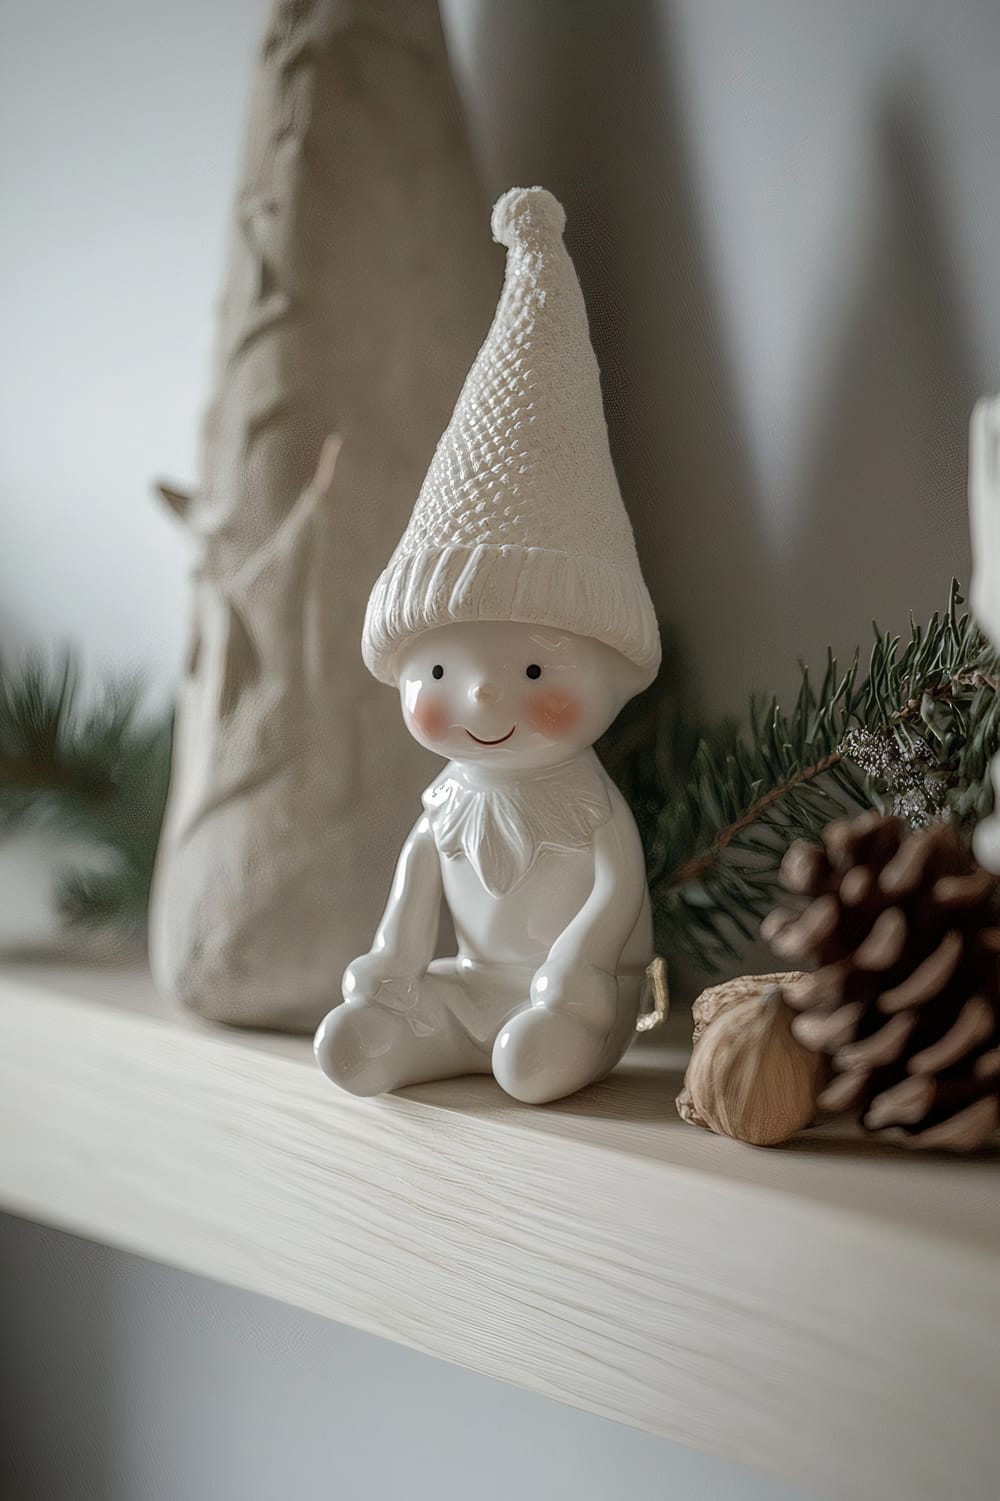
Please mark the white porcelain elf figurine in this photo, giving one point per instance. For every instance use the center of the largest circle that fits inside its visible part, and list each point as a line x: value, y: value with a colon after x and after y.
x: 515, y: 622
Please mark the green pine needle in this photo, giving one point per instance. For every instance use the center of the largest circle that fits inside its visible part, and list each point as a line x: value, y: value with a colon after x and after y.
x: 90, y: 768
x: 718, y: 805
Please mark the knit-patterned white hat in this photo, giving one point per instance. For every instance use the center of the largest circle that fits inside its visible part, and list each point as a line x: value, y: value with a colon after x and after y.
x: 520, y: 517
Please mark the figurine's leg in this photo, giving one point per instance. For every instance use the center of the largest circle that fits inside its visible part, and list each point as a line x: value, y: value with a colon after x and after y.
x: 544, y: 1053
x: 406, y: 1035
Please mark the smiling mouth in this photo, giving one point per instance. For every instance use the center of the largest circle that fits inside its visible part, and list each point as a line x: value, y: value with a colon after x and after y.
x: 492, y: 742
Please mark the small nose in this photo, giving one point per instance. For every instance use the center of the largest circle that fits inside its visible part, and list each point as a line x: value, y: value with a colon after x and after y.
x: 485, y: 693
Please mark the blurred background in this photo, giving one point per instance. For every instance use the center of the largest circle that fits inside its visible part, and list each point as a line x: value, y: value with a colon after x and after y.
x: 784, y: 219
x: 781, y: 214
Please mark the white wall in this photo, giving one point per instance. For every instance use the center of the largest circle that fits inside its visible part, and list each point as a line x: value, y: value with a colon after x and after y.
x: 785, y: 216
x: 120, y: 126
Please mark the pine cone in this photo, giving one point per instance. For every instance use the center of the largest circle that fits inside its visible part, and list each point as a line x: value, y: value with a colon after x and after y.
x: 905, y: 996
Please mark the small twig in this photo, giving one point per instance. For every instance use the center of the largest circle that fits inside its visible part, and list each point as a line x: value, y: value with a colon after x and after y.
x: 974, y: 678
x: 32, y: 773
x: 41, y: 775
x: 695, y: 868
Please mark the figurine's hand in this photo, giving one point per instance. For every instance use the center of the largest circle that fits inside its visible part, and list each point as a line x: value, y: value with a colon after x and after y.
x: 591, y: 994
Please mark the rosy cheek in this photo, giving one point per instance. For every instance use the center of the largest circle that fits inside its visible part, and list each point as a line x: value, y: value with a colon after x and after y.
x: 555, y: 714
x: 430, y: 717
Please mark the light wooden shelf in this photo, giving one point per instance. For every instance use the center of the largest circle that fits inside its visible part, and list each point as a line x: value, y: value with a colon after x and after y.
x: 829, y: 1312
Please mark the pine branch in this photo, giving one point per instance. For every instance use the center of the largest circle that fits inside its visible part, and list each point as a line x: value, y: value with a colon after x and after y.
x: 695, y: 868
x: 96, y: 773
x: 718, y: 806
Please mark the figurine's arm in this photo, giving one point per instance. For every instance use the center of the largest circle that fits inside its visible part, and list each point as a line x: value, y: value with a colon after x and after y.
x: 404, y: 939
x: 582, y: 963
x: 604, y: 923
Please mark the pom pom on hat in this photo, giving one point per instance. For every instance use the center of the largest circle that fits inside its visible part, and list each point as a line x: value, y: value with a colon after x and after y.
x: 527, y: 215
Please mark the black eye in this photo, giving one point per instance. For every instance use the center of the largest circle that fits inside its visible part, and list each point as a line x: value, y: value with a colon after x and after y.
x: 437, y: 671
x: 534, y: 671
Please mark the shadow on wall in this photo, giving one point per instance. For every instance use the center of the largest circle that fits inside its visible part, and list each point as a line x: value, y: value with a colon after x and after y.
x: 883, y: 513
x: 582, y: 100
x: 581, y: 106
x: 58, y: 1390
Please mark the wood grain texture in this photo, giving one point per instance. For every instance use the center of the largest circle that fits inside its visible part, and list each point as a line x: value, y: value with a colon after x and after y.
x: 827, y: 1313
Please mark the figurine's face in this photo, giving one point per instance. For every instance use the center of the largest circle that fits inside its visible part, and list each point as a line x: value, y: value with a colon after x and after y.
x: 510, y: 695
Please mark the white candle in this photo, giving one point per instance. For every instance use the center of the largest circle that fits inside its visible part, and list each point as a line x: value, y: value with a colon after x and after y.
x: 984, y: 517
x: 984, y: 514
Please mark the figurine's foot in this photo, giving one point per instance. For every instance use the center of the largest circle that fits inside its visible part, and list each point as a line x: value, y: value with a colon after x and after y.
x: 368, y: 1049
x: 542, y: 1055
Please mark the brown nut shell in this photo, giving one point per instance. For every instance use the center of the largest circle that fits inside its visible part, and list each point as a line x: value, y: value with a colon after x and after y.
x: 748, y: 1077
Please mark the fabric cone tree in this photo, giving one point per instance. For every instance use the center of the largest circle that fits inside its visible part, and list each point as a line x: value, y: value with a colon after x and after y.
x: 359, y: 286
